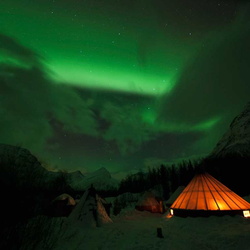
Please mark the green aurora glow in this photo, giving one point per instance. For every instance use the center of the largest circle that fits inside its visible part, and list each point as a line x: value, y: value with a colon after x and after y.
x: 92, y: 50
x: 119, y: 77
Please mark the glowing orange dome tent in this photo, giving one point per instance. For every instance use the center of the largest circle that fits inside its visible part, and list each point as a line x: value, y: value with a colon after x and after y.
x: 205, y: 196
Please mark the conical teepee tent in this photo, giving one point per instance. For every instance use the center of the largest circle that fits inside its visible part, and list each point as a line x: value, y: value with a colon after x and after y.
x: 205, y: 196
x: 89, y: 212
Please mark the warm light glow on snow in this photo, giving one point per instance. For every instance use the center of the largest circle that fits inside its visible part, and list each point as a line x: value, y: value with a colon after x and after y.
x: 170, y: 214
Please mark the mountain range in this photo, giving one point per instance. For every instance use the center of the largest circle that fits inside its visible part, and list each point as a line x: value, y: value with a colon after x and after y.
x: 20, y: 168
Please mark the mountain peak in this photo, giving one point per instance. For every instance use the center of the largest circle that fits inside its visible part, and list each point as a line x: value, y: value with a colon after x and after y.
x: 102, y: 170
x: 236, y: 141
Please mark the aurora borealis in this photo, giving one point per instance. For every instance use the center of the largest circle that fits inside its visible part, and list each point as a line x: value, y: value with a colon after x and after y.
x: 121, y: 84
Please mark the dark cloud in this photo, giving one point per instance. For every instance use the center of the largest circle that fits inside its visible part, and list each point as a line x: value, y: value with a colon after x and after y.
x: 29, y: 100
x: 196, y: 16
x: 127, y: 127
x: 11, y: 50
x: 215, y: 84
x: 120, y: 118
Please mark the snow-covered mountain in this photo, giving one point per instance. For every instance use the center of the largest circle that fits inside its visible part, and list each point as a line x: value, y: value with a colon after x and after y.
x: 101, y: 179
x: 236, y: 141
x: 75, y: 176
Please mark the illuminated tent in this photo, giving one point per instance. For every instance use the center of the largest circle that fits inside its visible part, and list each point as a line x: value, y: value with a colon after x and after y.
x: 205, y: 195
x: 148, y: 202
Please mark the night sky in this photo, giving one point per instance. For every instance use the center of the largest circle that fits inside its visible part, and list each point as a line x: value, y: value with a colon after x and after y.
x: 121, y: 84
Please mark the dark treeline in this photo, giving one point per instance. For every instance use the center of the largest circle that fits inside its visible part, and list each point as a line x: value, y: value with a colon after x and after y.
x: 233, y: 171
x: 169, y: 178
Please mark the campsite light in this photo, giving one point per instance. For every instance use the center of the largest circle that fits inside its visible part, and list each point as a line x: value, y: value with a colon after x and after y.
x: 172, y: 211
x: 246, y: 213
x: 206, y: 195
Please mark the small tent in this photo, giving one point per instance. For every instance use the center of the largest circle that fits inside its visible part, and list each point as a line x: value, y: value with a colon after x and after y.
x: 205, y: 195
x: 148, y: 202
x: 61, y: 206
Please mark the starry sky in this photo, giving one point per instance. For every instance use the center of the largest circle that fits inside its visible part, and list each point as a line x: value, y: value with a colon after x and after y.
x: 121, y: 84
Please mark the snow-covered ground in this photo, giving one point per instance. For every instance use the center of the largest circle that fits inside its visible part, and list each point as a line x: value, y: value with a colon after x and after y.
x: 136, y: 230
